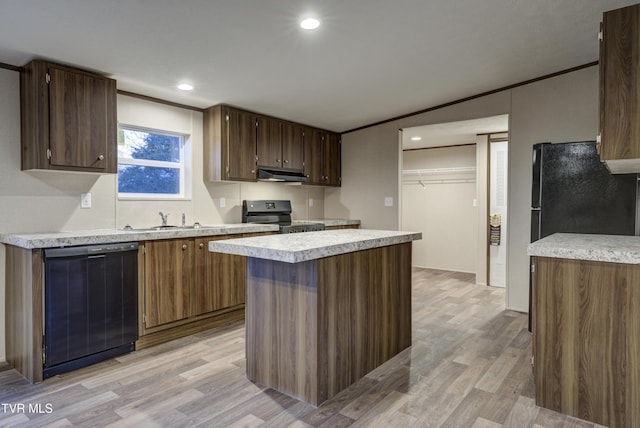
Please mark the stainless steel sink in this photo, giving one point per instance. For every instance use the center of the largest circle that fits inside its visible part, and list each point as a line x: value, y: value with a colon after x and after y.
x: 128, y: 228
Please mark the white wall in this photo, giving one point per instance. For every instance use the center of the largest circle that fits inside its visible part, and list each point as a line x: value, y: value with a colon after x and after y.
x: 370, y: 165
x: 441, y: 208
x: 562, y: 108
x: 38, y: 201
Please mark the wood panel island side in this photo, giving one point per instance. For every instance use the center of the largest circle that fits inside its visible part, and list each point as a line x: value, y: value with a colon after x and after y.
x: 324, y: 308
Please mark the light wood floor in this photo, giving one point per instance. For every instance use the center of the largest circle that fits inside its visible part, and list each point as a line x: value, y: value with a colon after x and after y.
x: 468, y: 367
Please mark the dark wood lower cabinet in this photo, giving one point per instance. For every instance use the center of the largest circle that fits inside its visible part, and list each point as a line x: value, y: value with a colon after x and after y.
x: 219, y: 279
x: 586, y: 339
x: 24, y: 310
x: 168, y: 268
x: 185, y: 288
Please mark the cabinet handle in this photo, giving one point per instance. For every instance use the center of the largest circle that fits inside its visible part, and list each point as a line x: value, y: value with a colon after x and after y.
x: 278, y: 160
x: 201, y: 245
x: 253, y: 171
x: 286, y: 161
x: 101, y: 157
x: 184, y: 247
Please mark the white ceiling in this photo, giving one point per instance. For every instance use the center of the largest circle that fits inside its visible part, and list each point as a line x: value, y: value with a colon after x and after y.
x: 369, y: 61
x: 453, y: 133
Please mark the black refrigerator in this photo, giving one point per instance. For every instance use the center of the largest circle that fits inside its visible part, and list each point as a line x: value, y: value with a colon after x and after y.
x: 574, y: 192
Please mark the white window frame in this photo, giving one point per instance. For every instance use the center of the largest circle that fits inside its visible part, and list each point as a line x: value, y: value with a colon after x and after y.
x: 182, y: 166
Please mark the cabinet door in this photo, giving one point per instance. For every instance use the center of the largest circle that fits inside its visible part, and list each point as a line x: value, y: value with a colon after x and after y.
x: 80, y: 130
x: 292, y: 146
x: 219, y: 278
x: 168, y: 271
x: 313, y: 156
x: 619, y: 84
x: 241, y: 145
x: 332, y: 159
x: 586, y: 334
x: 269, y: 142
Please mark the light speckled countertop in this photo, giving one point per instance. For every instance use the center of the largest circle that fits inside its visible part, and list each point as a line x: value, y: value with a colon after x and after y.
x: 600, y: 248
x: 107, y: 236
x: 300, y: 247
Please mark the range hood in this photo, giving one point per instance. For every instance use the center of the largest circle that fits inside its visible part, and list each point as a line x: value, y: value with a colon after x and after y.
x: 280, y: 174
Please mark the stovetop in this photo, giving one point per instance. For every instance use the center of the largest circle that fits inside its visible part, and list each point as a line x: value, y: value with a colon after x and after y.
x: 301, y: 226
x: 276, y: 212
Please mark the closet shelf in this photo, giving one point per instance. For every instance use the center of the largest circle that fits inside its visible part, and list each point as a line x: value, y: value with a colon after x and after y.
x: 439, y: 171
x: 427, y: 176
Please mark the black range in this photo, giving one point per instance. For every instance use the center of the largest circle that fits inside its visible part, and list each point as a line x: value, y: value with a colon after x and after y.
x: 276, y: 212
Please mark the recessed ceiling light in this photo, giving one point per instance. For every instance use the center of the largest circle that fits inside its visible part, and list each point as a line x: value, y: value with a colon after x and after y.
x: 185, y: 87
x: 416, y: 138
x: 310, y: 23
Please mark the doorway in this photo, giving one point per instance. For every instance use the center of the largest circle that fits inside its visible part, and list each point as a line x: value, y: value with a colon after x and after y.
x: 448, y: 179
x: 498, y: 200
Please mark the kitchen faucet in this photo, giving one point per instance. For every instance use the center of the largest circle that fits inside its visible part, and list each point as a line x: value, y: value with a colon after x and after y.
x: 164, y: 218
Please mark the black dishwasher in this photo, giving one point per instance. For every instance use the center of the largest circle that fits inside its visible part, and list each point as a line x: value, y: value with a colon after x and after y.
x: 90, y: 305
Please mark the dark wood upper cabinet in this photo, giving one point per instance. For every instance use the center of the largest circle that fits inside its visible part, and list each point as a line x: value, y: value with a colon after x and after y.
x: 229, y: 144
x: 332, y: 159
x: 313, y: 156
x: 236, y: 142
x: 241, y: 145
x: 322, y: 157
x: 620, y: 90
x: 292, y: 145
x: 269, y: 144
x: 68, y: 119
x: 280, y: 143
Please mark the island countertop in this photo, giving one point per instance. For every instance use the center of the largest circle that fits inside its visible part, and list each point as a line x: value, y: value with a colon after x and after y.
x: 300, y: 247
x: 599, y: 248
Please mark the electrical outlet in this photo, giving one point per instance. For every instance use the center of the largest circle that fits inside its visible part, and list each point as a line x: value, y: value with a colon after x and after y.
x: 388, y: 201
x: 85, y: 200
x: 310, y: 202
x: 223, y: 202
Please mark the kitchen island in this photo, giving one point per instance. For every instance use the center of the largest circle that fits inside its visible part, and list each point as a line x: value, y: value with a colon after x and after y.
x: 324, y: 308
x: 586, y: 326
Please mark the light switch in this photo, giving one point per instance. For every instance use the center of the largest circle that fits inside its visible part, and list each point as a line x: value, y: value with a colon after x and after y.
x: 310, y: 202
x: 223, y: 202
x: 85, y: 200
x: 388, y: 201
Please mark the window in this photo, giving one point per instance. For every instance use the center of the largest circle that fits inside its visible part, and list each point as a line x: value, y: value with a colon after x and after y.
x: 151, y: 164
